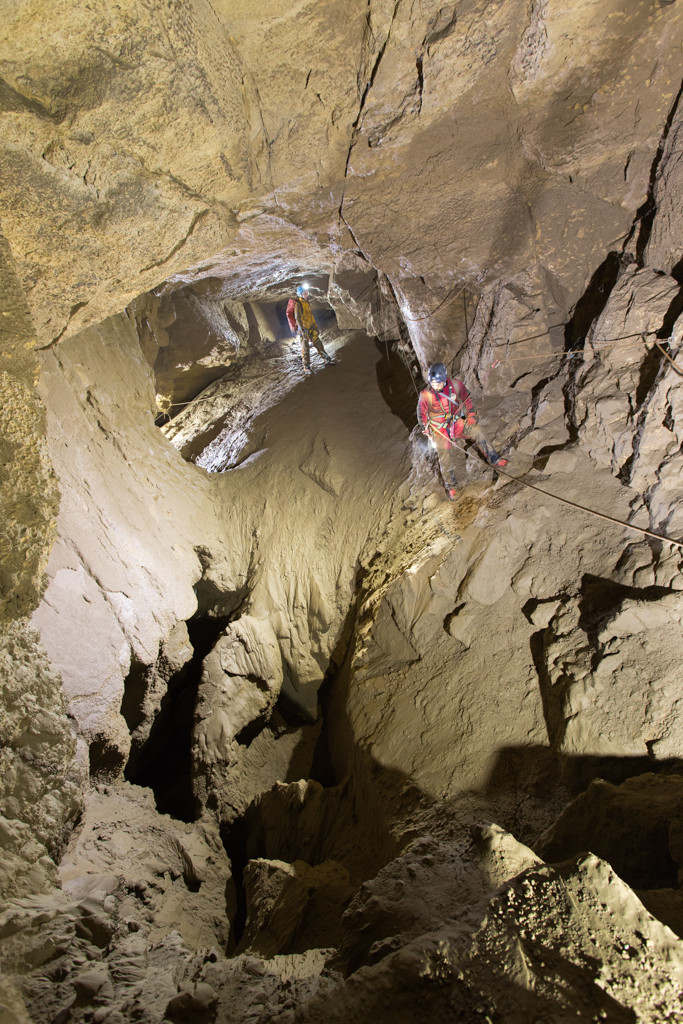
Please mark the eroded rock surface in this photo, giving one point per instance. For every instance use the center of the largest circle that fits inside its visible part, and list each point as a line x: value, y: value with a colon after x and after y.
x: 512, y: 121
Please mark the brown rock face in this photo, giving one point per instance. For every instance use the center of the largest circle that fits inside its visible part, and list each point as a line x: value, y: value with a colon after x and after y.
x: 28, y: 490
x: 447, y: 146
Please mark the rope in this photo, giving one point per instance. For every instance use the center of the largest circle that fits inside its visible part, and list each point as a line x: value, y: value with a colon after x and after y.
x: 214, y: 398
x: 544, y: 334
x: 666, y: 355
x: 415, y: 319
x: 567, y: 501
x: 590, y: 511
x: 598, y: 348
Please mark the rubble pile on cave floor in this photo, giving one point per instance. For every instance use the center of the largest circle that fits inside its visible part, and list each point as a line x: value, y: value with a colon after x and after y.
x: 458, y: 929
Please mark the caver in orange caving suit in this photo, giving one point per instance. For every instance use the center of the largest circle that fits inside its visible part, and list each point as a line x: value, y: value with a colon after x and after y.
x: 446, y: 416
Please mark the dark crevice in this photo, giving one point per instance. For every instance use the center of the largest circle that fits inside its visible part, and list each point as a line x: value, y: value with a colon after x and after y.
x: 600, y: 599
x: 552, y: 696
x: 440, y: 27
x: 72, y: 313
x: 404, y: 346
x: 451, y: 616
x: 396, y: 384
x: 592, y: 302
x: 537, y: 393
x: 649, y: 368
x: 105, y: 759
x: 244, y: 838
x: 543, y: 454
x: 652, y: 367
x: 587, y: 310
x: 135, y: 689
x: 646, y: 214
x: 624, y: 474
x: 673, y: 312
x: 234, y: 839
x: 677, y: 271
x: 322, y: 768
x: 669, y: 419
x: 420, y: 85
x: 522, y: 376
x: 364, y: 95
x: 13, y: 100
x: 375, y: 69
x: 248, y: 733
x: 163, y: 760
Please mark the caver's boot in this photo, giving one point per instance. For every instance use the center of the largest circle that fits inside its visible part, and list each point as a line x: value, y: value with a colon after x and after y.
x: 491, y: 455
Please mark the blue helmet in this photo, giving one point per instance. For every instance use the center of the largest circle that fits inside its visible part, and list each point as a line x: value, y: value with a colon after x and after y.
x: 437, y: 373
x: 300, y: 289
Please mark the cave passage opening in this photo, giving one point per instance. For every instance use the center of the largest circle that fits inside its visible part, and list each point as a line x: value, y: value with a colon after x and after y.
x: 162, y: 761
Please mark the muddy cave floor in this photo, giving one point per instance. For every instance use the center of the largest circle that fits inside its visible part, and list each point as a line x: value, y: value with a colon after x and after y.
x: 145, y: 891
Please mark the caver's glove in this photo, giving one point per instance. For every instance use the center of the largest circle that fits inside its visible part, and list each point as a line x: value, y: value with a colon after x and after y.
x: 471, y: 420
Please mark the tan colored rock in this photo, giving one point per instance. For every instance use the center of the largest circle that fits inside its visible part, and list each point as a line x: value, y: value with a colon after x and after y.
x: 510, y: 130
x: 610, y: 391
x: 39, y: 787
x: 283, y: 898
x: 663, y: 246
x: 13, y: 1007
x: 304, y: 820
x: 28, y: 491
x: 611, y: 701
x: 526, y: 956
x: 637, y: 826
x: 444, y: 684
x: 163, y: 874
x: 114, y: 596
x: 431, y: 881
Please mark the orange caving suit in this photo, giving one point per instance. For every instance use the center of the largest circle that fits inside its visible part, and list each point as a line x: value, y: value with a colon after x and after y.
x: 442, y: 415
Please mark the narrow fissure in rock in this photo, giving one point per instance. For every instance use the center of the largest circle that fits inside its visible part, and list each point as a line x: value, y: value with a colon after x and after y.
x: 163, y: 762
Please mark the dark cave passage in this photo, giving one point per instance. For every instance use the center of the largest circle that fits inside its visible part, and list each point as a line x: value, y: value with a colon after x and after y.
x: 163, y: 762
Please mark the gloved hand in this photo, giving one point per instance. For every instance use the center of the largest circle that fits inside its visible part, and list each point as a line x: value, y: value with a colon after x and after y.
x: 471, y: 420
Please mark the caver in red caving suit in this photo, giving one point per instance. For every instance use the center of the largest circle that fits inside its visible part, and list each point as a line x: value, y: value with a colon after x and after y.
x: 447, y: 415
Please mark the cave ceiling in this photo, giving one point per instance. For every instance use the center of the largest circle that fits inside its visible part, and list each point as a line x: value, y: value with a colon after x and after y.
x: 443, y: 144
